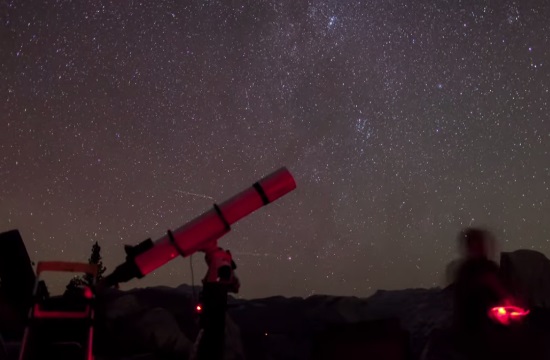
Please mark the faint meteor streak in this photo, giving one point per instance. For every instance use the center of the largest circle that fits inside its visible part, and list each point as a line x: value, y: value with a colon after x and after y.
x: 194, y: 194
x: 254, y: 254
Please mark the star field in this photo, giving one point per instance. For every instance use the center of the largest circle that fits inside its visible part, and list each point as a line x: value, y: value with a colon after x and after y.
x: 401, y: 122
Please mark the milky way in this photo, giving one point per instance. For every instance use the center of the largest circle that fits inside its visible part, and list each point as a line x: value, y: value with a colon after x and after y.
x: 402, y: 122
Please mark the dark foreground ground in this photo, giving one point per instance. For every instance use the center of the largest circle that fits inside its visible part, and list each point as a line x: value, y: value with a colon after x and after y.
x: 160, y: 323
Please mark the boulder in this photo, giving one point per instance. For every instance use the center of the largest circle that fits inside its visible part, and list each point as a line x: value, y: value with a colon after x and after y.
x: 528, y: 273
x: 159, y: 321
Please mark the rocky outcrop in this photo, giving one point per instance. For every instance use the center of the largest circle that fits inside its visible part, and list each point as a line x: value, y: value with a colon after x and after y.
x: 528, y: 272
x: 157, y: 321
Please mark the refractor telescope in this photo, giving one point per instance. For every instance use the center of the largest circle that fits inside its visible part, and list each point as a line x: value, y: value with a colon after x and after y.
x: 46, y: 333
x: 202, y: 233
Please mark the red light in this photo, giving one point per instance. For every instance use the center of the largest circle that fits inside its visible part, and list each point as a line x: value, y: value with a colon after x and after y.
x: 506, y: 314
x: 198, y: 308
x: 88, y: 294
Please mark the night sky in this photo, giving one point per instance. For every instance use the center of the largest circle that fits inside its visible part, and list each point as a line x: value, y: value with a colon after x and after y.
x: 402, y: 122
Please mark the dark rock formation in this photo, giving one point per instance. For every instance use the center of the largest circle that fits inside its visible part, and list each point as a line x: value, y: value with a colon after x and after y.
x: 528, y: 273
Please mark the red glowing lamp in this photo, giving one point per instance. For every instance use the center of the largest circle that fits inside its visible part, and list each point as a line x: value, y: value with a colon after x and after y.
x: 88, y: 294
x: 198, y: 308
x: 507, y: 314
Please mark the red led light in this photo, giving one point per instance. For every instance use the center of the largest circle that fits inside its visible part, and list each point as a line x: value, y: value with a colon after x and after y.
x: 88, y: 294
x: 198, y: 308
x: 505, y: 315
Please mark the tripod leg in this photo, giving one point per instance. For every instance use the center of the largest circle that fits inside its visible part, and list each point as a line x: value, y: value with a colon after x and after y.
x: 212, y: 343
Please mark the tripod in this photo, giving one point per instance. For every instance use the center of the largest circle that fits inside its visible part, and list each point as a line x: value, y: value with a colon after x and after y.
x: 219, y: 280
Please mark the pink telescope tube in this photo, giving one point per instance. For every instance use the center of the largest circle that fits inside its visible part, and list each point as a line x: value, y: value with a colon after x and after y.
x: 199, y: 233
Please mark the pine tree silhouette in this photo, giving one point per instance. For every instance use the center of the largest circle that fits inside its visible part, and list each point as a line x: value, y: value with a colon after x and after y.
x: 95, y: 258
x: 75, y: 283
x: 86, y: 279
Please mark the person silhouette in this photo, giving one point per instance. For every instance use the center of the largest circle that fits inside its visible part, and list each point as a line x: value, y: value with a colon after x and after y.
x: 477, y: 286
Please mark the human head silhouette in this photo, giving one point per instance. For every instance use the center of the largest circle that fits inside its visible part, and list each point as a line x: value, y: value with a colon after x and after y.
x: 476, y: 243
